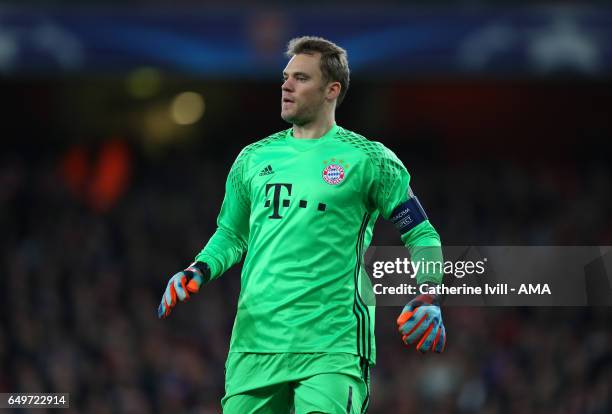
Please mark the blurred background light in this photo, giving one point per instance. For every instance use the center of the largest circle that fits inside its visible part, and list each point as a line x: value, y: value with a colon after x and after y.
x: 158, y: 126
x: 144, y: 82
x: 187, y: 108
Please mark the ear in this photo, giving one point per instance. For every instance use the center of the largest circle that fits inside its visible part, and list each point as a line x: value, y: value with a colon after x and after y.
x: 333, y: 90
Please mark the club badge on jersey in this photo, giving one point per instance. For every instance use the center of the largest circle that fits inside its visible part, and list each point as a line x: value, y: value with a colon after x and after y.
x: 334, y: 172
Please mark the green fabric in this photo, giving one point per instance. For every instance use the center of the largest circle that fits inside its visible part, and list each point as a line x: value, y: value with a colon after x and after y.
x: 305, y: 239
x: 308, y: 382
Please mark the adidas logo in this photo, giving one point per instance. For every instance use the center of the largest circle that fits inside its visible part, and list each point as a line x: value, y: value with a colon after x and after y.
x: 266, y: 171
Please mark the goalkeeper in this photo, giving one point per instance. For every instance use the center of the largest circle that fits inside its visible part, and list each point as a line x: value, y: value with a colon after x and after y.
x: 302, y: 204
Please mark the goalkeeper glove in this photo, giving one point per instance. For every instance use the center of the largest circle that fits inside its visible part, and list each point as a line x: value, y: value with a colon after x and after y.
x: 181, y: 284
x: 421, y: 320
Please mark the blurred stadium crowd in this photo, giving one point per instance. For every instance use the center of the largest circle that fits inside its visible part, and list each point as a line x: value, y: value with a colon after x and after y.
x: 81, y: 284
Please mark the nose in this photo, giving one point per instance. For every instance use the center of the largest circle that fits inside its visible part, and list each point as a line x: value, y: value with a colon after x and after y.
x: 287, y: 86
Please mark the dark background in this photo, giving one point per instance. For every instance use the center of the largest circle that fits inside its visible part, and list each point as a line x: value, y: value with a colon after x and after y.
x: 103, y: 198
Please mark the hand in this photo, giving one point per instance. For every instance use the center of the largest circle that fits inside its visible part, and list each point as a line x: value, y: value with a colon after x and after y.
x: 421, y: 320
x: 180, y: 285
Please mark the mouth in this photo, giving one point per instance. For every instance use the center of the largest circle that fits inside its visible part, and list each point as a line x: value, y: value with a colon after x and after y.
x: 287, y: 100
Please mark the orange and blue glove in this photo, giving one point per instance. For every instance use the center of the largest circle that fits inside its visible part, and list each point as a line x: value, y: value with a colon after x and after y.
x: 421, y: 322
x: 181, y: 285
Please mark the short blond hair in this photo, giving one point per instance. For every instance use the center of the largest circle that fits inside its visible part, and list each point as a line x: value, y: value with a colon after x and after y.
x: 334, y: 59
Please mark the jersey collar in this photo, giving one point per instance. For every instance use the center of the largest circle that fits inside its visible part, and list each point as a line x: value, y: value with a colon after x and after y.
x: 302, y: 144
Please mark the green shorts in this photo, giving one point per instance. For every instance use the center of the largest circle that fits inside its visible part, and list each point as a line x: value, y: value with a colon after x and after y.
x: 330, y: 383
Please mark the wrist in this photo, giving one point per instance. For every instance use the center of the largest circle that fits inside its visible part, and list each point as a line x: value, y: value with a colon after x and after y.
x: 200, y: 269
x: 427, y: 298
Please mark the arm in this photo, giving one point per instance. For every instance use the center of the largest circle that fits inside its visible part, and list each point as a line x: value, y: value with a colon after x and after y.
x: 391, y: 194
x: 421, y: 318
x: 229, y: 242
x: 224, y: 249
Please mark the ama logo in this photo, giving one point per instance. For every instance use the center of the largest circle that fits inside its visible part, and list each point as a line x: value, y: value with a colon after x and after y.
x: 538, y: 289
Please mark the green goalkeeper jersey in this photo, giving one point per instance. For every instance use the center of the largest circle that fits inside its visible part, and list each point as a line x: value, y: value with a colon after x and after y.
x: 303, y: 210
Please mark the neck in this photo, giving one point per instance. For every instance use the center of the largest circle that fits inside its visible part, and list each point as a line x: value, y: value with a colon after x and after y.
x: 315, y: 129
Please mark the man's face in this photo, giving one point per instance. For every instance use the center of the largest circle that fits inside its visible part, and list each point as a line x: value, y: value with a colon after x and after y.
x: 303, y: 89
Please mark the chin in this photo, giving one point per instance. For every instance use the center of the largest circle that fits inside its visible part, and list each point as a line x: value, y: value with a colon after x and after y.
x: 291, y: 118
x: 295, y: 119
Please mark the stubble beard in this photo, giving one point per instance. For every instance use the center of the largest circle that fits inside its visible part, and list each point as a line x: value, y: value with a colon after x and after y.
x: 303, y: 115
x: 298, y: 118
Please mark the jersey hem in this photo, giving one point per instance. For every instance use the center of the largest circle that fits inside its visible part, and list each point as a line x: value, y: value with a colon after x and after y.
x: 371, y: 360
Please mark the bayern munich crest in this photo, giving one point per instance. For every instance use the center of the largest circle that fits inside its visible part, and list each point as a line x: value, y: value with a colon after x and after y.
x: 333, y: 174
